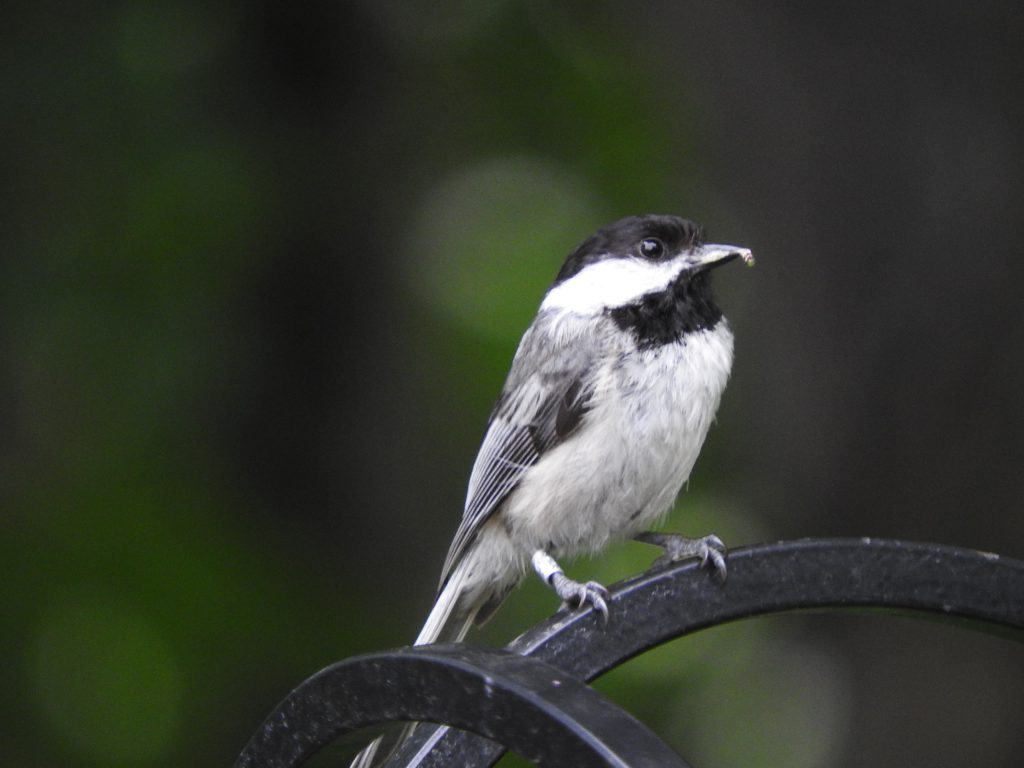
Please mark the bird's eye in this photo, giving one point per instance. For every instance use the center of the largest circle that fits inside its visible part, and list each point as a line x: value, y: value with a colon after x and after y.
x: 652, y: 248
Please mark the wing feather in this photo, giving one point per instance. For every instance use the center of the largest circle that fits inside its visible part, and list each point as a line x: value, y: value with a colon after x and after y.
x: 540, y: 406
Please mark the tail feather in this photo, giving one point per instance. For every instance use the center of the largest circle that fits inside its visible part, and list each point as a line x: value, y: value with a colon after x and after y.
x: 448, y: 622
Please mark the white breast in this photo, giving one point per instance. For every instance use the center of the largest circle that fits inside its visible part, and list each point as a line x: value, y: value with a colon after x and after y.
x: 636, y: 447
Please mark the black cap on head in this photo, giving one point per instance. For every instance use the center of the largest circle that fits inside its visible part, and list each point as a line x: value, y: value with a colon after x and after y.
x: 623, y: 238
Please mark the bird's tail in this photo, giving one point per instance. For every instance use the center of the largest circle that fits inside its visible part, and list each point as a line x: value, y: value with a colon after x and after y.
x: 448, y: 622
x: 450, y: 618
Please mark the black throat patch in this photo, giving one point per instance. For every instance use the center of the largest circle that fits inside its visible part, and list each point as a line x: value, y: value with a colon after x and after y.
x: 665, y: 316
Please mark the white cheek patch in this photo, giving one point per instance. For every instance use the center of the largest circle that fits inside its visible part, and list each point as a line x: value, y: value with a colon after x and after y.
x: 611, y: 283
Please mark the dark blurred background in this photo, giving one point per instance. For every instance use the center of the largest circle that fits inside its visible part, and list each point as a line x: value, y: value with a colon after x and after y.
x: 265, y: 265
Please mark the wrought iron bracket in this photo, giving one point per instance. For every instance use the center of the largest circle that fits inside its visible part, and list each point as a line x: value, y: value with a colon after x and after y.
x: 456, y: 685
x: 527, y: 705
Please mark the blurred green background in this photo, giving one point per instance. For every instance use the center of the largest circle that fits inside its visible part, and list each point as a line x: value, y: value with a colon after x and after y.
x: 264, y: 267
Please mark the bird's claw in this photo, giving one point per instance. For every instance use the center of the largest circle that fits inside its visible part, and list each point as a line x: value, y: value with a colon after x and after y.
x: 575, y: 594
x: 710, y: 550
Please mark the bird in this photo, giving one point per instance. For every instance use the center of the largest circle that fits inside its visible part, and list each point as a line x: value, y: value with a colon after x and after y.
x: 609, y: 397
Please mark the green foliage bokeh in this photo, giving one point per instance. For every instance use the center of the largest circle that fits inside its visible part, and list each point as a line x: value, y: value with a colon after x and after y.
x: 266, y: 267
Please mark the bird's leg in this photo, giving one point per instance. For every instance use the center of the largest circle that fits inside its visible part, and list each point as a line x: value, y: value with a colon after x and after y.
x: 573, y: 593
x: 710, y: 549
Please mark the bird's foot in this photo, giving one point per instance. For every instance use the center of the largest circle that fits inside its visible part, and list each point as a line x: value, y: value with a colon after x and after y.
x: 575, y: 594
x: 709, y: 549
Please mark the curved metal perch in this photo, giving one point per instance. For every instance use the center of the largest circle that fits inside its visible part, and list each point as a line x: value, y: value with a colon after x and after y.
x: 982, y: 589
x: 528, y: 705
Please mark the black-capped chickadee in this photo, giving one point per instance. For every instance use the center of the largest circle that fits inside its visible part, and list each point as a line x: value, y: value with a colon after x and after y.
x: 610, y: 395
x: 602, y: 416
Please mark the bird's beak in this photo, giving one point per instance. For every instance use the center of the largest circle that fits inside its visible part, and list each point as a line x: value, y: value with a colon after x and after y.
x: 713, y: 255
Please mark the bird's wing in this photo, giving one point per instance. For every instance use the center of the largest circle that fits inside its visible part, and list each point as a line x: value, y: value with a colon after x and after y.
x: 540, y: 406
